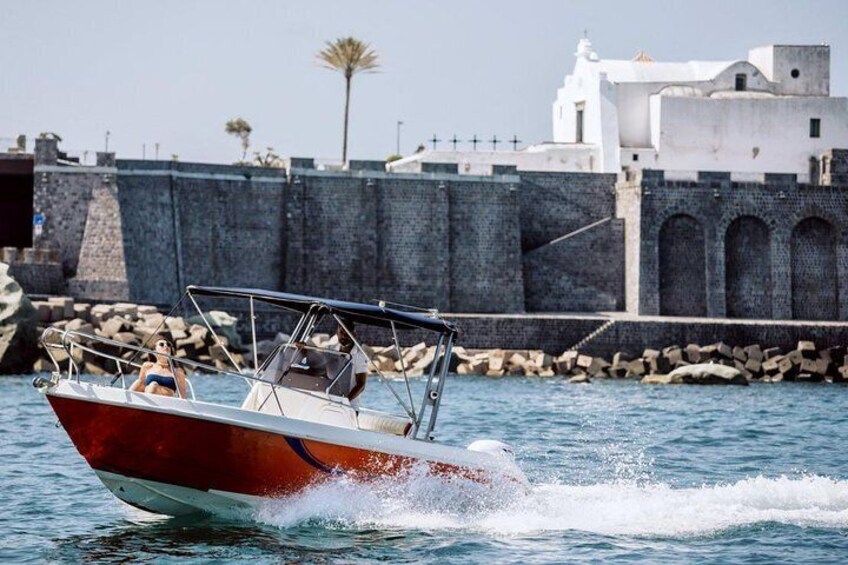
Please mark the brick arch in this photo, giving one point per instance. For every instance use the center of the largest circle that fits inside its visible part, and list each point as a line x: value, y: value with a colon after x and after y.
x: 682, y: 267
x: 747, y: 266
x: 815, y: 285
x: 837, y: 221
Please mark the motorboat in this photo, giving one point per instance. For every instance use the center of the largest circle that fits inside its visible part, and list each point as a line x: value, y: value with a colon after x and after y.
x: 296, y: 426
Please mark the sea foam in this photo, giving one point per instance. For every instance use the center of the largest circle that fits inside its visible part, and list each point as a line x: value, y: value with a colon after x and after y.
x: 423, y: 502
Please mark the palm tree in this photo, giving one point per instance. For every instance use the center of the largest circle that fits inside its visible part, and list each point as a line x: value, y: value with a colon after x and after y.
x: 348, y: 56
x: 241, y: 129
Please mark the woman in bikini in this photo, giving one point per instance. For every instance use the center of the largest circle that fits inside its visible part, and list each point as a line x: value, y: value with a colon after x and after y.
x: 158, y: 377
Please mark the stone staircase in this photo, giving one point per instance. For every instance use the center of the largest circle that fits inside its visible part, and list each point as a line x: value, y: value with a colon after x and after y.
x: 595, y: 333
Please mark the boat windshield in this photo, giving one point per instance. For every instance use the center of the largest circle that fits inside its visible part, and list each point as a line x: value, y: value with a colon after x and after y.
x: 310, y: 368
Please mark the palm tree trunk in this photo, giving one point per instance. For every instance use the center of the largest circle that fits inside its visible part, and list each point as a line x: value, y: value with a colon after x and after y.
x: 347, y: 108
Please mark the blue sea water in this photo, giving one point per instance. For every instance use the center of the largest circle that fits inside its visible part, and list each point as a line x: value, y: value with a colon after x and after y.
x: 618, y: 470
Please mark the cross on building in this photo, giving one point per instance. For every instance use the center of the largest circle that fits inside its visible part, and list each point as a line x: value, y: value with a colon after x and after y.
x: 515, y: 141
x: 454, y: 140
x: 434, y: 141
x: 474, y: 141
x: 494, y: 141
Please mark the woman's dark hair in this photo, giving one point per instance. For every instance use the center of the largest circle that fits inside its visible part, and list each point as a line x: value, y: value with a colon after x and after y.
x: 156, y: 339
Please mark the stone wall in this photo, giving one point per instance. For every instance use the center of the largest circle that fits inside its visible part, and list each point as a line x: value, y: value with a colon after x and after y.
x: 184, y: 223
x: 582, y: 273
x: 101, y: 270
x: 555, y: 204
x: 435, y: 240
x: 38, y: 271
x: 788, y: 253
x: 529, y: 241
x: 62, y: 194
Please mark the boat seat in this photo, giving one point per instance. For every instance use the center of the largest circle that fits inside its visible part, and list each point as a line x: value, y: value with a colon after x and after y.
x: 374, y: 421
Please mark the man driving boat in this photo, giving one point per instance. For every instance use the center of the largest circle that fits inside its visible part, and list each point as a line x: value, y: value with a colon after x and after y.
x: 316, y: 363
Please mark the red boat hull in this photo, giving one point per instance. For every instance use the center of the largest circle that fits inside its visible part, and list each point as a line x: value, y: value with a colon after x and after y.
x: 209, y: 455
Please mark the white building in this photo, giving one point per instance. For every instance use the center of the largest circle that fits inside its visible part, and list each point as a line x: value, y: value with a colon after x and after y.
x: 770, y: 113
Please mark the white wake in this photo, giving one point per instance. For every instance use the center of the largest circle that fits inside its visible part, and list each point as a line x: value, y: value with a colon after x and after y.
x: 429, y: 503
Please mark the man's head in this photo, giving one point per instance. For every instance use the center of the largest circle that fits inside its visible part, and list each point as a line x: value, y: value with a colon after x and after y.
x: 345, y: 341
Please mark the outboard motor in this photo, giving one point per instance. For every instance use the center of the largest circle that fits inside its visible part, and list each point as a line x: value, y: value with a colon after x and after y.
x: 506, y: 454
x: 493, y: 447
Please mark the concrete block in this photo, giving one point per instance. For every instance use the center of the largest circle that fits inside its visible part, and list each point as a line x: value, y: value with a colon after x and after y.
x: 621, y: 357
x: 67, y: 305
x: 115, y: 325
x: 787, y: 368
x: 724, y: 350
x: 754, y: 366
x: 754, y: 352
x: 497, y: 360
x: 636, y: 368
x: 660, y: 365
x: 175, y: 323
x: 650, y: 354
x: 82, y: 310
x: 566, y: 362
x: 693, y: 353
x: 584, y: 361
x: 674, y: 355
x: 44, y: 311
x: 807, y: 349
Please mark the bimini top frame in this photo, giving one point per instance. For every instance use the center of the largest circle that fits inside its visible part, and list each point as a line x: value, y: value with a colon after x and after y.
x: 367, y: 314
x: 312, y: 309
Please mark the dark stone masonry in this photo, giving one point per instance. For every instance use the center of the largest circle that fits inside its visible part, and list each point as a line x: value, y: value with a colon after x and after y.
x: 508, y: 243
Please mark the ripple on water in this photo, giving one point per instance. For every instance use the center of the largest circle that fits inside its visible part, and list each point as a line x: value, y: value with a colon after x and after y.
x: 620, y: 471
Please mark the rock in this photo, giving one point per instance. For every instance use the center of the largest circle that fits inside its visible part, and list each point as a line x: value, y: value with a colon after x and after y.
x: 580, y: 379
x: 709, y: 373
x: 739, y: 354
x: 660, y: 380
x: 18, y: 327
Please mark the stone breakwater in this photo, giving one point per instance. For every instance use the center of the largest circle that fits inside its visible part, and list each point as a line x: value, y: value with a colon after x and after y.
x: 134, y: 324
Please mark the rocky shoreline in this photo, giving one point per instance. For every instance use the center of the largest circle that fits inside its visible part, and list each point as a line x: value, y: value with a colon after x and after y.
x: 717, y: 363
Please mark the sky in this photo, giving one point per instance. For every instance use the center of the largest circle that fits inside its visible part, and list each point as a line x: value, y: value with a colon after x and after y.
x: 173, y: 72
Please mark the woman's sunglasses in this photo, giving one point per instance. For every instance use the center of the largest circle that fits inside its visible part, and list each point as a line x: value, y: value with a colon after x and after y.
x: 163, y: 344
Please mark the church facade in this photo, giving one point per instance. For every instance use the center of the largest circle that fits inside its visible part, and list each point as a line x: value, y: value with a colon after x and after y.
x: 769, y: 113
